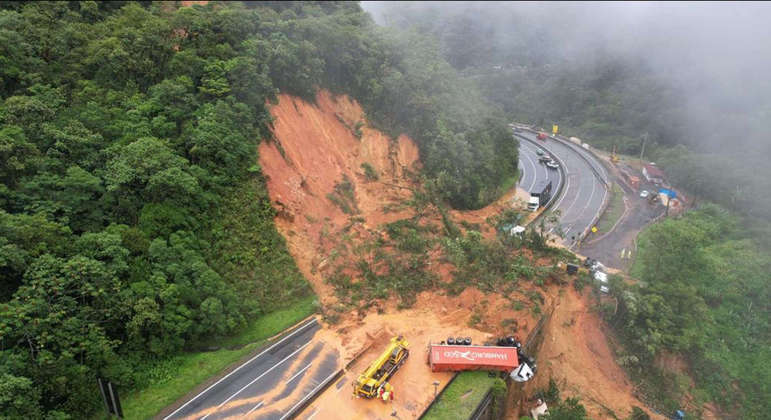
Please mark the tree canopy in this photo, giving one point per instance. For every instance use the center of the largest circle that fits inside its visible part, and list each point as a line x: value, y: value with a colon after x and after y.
x: 134, y: 220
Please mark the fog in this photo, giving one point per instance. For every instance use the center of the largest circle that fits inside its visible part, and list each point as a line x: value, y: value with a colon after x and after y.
x: 717, y: 55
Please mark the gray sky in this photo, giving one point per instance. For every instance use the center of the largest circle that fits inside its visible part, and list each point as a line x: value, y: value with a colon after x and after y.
x: 718, y: 52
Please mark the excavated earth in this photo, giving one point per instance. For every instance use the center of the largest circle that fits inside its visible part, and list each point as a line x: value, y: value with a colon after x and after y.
x: 316, y: 147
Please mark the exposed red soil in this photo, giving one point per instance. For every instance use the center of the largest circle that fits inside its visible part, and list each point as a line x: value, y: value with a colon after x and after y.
x: 576, y: 354
x: 315, y: 148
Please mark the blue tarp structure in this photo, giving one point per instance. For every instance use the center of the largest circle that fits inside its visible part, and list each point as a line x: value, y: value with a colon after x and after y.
x: 669, y: 193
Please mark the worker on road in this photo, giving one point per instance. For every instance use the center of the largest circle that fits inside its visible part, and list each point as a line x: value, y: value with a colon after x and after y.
x: 387, y: 392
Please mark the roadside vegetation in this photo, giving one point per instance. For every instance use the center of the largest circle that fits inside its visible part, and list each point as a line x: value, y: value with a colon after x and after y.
x: 401, y: 259
x: 614, y: 210
x: 462, y: 396
x: 703, y: 295
x: 163, y: 382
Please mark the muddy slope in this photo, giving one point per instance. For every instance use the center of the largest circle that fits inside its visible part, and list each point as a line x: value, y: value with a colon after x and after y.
x: 325, y: 198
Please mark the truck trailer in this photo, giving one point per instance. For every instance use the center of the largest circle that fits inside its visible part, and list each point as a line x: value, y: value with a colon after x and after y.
x: 540, y: 195
x: 444, y: 357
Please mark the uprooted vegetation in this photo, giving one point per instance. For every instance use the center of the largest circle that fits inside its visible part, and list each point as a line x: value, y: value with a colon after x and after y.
x: 428, y: 250
x: 406, y: 255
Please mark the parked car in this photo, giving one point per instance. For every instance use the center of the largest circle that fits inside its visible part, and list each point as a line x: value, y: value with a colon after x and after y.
x: 644, y: 194
x: 552, y: 164
x: 604, y: 290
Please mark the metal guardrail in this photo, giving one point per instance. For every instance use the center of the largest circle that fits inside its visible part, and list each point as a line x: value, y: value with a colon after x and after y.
x: 563, y: 176
x: 591, y: 162
x: 481, y: 409
x: 438, y: 396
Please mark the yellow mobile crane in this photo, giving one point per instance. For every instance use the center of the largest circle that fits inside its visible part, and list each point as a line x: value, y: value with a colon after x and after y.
x: 369, y: 383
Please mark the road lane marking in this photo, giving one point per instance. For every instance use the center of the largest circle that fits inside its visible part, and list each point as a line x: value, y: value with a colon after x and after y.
x: 594, y: 186
x: 316, y: 411
x: 257, y: 378
x: 529, y: 147
x: 298, y: 373
x: 313, y: 392
x: 535, y: 172
x: 567, y: 185
x: 259, y: 404
x: 575, y: 200
x: 238, y: 368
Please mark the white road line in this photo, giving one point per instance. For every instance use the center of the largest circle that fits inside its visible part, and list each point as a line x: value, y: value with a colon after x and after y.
x: 298, y: 373
x: 589, y: 201
x: 316, y: 411
x: 257, y: 378
x: 535, y: 172
x: 529, y: 146
x: 313, y: 392
x: 259, y: 404
x: 575, y: 200
x: 567, y: 185
x: 244, y: 364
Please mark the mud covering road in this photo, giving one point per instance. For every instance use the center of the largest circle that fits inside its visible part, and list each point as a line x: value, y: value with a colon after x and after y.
x: 270, y: 384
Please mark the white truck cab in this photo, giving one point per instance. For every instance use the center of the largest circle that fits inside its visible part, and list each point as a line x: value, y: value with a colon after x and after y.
x: 533, y: 203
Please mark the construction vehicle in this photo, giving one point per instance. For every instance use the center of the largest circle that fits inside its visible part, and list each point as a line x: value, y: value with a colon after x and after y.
x: 373, y: 381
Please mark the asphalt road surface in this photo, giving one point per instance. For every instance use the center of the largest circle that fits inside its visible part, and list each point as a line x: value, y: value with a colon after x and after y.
x: 534, y: 171
x: 269, y: 385
x: 583, y: 193
x: 639, y: 213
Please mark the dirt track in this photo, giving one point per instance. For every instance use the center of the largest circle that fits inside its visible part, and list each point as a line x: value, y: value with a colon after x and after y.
x: 315, y: 149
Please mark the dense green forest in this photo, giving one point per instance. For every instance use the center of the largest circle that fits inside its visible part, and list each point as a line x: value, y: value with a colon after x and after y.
x: 704, y: 284
x: 134, y: 220
x: 703, y: 293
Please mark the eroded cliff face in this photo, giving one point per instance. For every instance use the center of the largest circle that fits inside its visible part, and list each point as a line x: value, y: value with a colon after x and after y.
x: 328, y: 205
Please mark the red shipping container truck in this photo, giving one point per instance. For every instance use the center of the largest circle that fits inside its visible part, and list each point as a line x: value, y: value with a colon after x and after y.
x: 442, y: 357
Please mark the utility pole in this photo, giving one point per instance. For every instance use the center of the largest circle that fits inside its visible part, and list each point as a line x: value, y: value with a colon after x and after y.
x: 642, y: 150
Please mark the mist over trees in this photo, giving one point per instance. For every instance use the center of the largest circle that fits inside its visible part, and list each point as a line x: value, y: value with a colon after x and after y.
x: 693, y: 77
x: 686, y: 74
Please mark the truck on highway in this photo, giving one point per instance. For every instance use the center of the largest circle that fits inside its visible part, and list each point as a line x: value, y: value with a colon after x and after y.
x: 373, y: 382
x: 540, y: 195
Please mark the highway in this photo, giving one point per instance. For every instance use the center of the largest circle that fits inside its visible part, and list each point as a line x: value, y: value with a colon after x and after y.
x: 532, y: 170
x: 583, y: 193
x: 270, y: 385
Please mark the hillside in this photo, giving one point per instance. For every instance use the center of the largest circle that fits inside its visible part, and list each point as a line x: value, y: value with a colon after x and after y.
x: 135, y: 224
x: 379, y: 260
